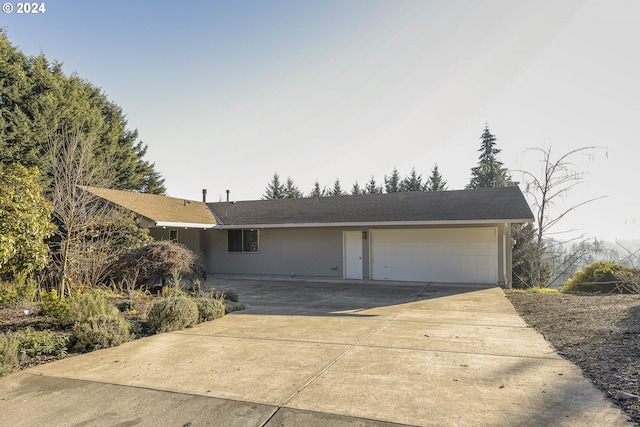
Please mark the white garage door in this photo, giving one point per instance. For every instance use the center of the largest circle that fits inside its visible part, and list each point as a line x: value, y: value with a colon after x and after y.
x: 435, y: 255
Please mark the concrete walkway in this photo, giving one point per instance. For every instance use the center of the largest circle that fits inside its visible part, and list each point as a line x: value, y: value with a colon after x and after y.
x: 323, y: 354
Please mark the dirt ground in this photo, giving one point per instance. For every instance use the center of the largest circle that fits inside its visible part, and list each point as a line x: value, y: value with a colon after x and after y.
x: 600, y: 333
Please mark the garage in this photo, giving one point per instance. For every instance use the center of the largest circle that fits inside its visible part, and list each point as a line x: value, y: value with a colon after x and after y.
x: 463, y: 255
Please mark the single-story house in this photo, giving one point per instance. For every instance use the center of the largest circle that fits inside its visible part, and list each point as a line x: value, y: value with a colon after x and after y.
x: 461, y: 236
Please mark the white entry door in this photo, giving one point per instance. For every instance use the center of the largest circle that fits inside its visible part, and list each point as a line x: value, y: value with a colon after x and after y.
x: 353, y: 255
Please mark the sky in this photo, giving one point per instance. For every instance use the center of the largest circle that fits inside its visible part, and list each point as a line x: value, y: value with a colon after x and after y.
x: 227, y: 93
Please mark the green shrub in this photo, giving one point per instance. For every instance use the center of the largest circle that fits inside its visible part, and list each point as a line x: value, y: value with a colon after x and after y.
x: 51, y: 305
x: 172, y: 314
x: 92, y: 304
x: 594, y: 277
x: 101, y: 331
x: 38, y: 343
x: 22, y: 290
x: 231, y: 306
x: 8, y: 295
x: 8, y: 354
x: 209, y: 309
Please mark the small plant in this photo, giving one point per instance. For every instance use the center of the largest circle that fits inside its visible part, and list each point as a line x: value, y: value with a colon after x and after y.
x: 92, y: 304
x: 8, y: 295
x: 8, y: 354
x: 172, y: 314
x: 38, y: 343
x: 209, y: 309
x: 231, y: 306
x: 101, y: 331
x: 51, y: 305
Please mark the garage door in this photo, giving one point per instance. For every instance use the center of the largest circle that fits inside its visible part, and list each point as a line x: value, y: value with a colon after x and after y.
x: 435, y: 255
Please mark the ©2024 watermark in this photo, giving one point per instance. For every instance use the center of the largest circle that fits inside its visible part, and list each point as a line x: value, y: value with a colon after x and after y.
x: 24, y: 8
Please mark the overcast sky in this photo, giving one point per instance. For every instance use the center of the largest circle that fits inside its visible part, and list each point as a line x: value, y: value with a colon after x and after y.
x: 225, y: 93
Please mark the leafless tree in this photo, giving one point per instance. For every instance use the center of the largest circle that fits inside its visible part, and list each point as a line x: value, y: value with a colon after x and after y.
x: 89, y: 229
x: 557, y: 179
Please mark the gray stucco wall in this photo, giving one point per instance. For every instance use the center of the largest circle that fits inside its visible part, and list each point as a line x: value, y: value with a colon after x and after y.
x: 310, y: 252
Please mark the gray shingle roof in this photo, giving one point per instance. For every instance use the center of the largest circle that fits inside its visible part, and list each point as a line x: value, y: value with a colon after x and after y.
x: 506, y: 204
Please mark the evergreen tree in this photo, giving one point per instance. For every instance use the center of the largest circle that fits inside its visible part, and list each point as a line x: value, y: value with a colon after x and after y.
x: 413, y: 182
x: 356, y: 190
x: 489, y: 172
x: 435, y: 181
x: 337, y: 189
x: 291, y: 191
x: 392, y: 184
x: 275, y: 189
x: 317, y: 191
x: 40, y: 103
x: 372, y: 187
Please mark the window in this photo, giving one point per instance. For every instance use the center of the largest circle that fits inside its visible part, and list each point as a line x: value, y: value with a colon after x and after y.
x: 243, y: 241
x: 173, y: 236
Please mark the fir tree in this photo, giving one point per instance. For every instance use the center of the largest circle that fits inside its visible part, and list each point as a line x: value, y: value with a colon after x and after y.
x: 413, y: 182
x: 489, y: 172
x: 356, y: 190
x: 372, y: 187
x: 275, y: 189
x: 291, y: 191
x: 337, y: 189
x: 317, y: 191
x: 392, y: 184
x: 435, y: 181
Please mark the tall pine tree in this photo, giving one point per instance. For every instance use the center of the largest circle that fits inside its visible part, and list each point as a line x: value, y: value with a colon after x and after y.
x: 489, y: 172
x: 275, y: 189
x: 413, y: 182
x: 435, y: 181
x: 393, y: 184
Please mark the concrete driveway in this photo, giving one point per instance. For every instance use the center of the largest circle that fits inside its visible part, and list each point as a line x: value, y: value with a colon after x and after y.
x: 313, y: 353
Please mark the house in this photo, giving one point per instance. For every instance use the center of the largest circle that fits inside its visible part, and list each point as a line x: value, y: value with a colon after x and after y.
x: 461, y: 236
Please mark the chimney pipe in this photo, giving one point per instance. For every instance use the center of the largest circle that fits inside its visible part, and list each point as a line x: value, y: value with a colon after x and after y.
x: 204, y: 195
x: 228, y: 191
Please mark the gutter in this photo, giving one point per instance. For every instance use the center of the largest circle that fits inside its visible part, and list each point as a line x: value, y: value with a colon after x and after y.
x: 371, y: 224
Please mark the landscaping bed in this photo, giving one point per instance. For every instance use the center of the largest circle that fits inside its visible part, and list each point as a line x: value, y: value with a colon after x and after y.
x: 598, y: 332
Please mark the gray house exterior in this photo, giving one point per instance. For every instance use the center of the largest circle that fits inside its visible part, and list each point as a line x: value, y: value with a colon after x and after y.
x: 461, y: 236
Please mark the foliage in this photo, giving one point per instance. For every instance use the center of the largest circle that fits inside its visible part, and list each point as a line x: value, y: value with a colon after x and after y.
x: 40, y: 101
x: 209, y: 309
x: 231, y: 306
x: 51, y: 305
x: 593, y: 276
x: 38, y: 343
x: 317, y: 191
x: 337, y: 189
x: 489, y: 172
x: 291, y: 191
x: 157, y: 261
x: 101, y: 331
x: 393, y: 183
x: 8, y: 354
x: 275, y: 189
x: 25, y: 221
x: 21, y: 291
x: 98, y: 323
x: 524, y: 256
x: 372, y: 187
x: 413, y: 182
x: 356, y: 190
x: 537, y: 290
x: 172, y: 314
x: 435, y: 181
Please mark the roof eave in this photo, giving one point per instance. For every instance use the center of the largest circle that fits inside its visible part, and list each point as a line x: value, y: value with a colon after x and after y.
x: 377, y: 223
x: 169, y: 224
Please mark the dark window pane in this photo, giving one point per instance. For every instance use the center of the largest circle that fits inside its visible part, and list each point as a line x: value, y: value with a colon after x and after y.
x: 234, y: 240
x: 250, y: 241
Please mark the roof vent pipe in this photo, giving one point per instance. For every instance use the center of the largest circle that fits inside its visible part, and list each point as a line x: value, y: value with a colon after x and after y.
x: 228, y: 191
x: 204, y: 195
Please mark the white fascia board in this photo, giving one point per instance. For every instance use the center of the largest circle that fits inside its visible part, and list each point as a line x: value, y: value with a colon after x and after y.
x: 374, y: 224
x: 167, y: 224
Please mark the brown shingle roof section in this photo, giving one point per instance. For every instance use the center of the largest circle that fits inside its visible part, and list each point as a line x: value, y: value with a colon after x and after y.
x: 157, y: 208
x: 488, y: 204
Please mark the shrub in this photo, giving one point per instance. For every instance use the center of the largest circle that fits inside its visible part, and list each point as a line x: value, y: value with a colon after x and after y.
x: 231, y: 306
x: 172, y: 314
x: 92, y: 304
x: 101, y: 331
x: 209, y: 309
x: 8, y: 295
x: 8, y: 354
x: 157, y: 261
x: 37, y: 343
x: 23, y: 290
x: 594, y: 276
x: 50, y: 305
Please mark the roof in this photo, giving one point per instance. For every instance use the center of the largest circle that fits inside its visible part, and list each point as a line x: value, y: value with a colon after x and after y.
x: 505, y: 204
x: 163, y: 211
